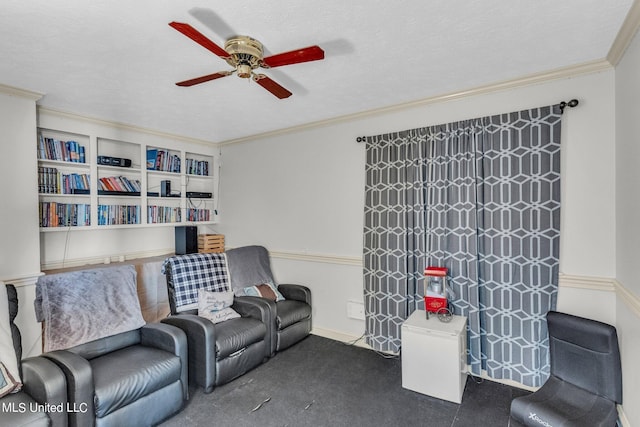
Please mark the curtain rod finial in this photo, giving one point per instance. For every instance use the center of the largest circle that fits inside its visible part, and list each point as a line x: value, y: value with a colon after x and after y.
x: 571, y: 104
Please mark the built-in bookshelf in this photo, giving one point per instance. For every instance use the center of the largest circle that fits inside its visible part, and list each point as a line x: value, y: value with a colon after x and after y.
x: 93, y: 182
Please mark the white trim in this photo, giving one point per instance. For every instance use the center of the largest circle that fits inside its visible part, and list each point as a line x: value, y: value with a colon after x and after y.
x: 586, y: 282
x: 329, y: 259
x: 14, y: 91
x: 623, y: 417
x: 118, y: 125
x: 625, y: 34
x: 342, y: 337
x: 24, y: 280
x: 560, y: 73
x: 630, y: 299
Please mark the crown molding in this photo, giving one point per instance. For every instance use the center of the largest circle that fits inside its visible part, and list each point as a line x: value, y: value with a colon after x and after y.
x: 627, y: 31
x: 536, y: 78
x: 14, y: 91
x: 123, y: 126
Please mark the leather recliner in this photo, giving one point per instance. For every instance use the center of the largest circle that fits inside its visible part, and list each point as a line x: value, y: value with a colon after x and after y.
x: 221, y: 352
x: 44, y: 389
x: 290, y: 319
x: 134, y: 378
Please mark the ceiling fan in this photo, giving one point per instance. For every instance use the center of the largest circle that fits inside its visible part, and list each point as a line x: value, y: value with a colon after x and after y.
x: 245, y: 54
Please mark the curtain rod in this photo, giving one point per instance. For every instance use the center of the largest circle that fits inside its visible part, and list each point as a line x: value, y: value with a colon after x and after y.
x: 563, y: 105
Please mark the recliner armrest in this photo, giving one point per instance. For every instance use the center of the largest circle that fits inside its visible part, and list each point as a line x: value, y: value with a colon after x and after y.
x: 255, y: 307
x: 172, y: 339
x: 201, y: 341
x: 79, y: 378
x: 295, y: 292
x: 44, y: 381
x: 263, y: 310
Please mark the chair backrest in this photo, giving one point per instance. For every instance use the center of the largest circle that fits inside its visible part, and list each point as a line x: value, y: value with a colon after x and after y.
x: 188, y: 273
x: 12, y: 295
x: 585, y: 353
x: 249, y: 266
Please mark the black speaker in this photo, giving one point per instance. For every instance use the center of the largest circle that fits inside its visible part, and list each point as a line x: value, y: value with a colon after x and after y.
x: 186, y: 239
x: 165, y: 188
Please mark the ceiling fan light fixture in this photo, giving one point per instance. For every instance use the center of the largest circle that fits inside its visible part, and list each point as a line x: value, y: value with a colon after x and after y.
x: 244, y: 70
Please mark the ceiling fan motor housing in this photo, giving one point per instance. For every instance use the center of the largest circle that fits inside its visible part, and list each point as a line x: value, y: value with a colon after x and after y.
x: 245, y: 54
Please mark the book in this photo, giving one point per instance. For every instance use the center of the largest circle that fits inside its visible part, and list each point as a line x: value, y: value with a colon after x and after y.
x: 152, y: 155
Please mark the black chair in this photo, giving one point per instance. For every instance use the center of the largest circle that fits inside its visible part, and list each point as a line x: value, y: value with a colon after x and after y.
x: 290, y: 320
x: 120, y: 371
x: 43, y: 385
x: 585, y: 381
x: 134, y: 378
x: 221, y: 352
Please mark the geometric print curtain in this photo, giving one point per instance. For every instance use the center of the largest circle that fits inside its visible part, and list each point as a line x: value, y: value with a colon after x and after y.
x: 489, y: 190
x: 394, y: 244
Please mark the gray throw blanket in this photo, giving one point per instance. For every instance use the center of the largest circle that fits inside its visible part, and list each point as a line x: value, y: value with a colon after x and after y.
x: 82, y: 306
x: 249, y: 266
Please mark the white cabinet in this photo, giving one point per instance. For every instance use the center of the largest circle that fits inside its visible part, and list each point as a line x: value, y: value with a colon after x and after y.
x: 434, y: 355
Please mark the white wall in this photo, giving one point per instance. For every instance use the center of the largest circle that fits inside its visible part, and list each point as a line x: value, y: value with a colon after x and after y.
x: 627, y: 208
x: 19, y: 240
x: 19, y: 253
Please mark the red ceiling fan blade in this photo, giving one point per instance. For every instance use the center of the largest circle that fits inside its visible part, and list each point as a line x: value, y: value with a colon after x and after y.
x: 203, y: 79
x: 199, y: 38
x: 311, y: 53
x: 271, y: 86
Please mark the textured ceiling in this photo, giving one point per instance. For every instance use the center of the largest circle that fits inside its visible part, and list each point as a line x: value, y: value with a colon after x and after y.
x: 118, y: 60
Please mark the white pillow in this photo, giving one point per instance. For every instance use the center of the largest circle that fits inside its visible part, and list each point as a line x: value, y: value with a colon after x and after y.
x: 6, y: 341
x: 216, y: 306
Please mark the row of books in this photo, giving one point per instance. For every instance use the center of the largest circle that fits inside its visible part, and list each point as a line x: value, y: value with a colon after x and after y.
x: 197, y: 167
x: 162, y: 160
x: 52, y: 181
x: 163, y: 214
x: 53, y: 214
x: 119, y: 184
x: 66, y: 151
x: 194, y: 214
x: 118, y: 214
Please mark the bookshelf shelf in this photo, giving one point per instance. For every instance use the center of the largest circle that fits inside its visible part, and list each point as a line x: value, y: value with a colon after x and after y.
x: 127, y: 195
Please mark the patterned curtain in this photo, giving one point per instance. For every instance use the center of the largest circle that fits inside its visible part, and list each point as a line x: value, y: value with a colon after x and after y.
x: 490, y: 213
x: 394, y: 244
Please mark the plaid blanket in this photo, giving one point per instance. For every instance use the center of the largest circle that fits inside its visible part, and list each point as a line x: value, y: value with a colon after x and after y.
x: 196, y: 271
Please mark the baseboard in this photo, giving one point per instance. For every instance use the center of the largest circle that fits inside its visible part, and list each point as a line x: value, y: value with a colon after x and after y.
x: 357, y: 341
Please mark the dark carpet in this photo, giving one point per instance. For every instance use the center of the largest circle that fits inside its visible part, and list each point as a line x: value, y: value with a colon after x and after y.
x: 322, y: 382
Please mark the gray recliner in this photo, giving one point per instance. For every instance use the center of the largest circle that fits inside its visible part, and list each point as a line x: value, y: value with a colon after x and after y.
x: 120, y: 371
x: 290, y: 319
x: 44, y: 386
x: 135, y: 378
x: 585, y: 381
x: 221, y: 352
